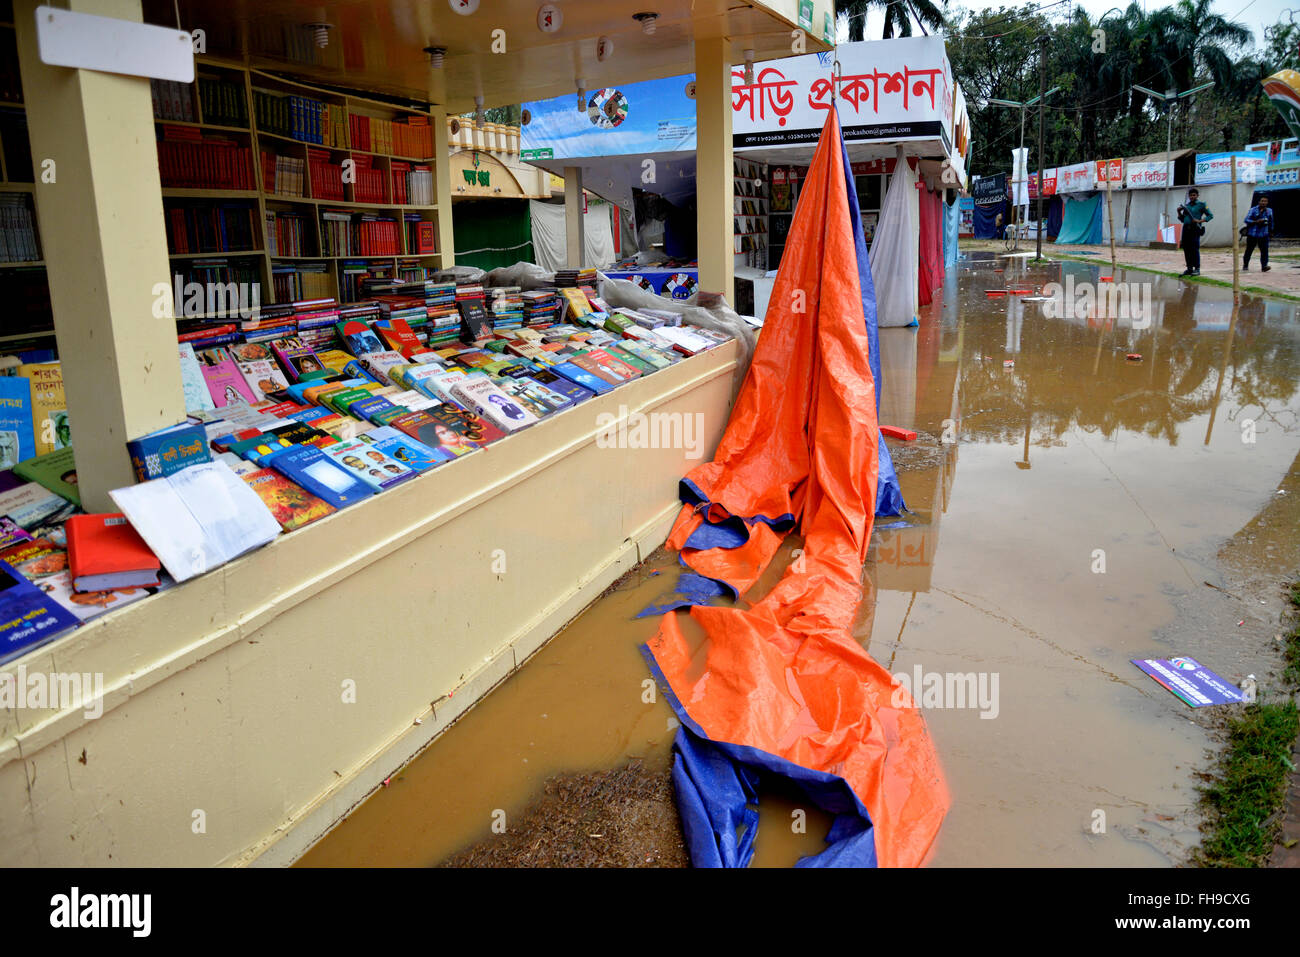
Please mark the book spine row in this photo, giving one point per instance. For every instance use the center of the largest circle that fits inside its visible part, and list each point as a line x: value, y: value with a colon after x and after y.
x: 282, y: 175
x: 210, y: 229
x: 17, y: 230
x: 173, y: 101
x: 326, y: 177
x: 206, y: 164
x: 223, y: 102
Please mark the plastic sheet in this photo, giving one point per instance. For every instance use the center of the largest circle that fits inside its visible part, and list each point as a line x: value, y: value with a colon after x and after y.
x: 893, y: 251
x: 1081, y: 221
x: 782, y: 688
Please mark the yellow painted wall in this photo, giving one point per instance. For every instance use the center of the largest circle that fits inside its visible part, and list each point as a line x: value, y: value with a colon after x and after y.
x: 224, y: 695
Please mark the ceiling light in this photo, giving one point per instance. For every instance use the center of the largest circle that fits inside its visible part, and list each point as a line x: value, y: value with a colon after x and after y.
x: 647, y: 21
x: 749, y: 67
x: 321, y: 32
x: 582, y: 97
x: 479, y: 116
x: 436, y: 56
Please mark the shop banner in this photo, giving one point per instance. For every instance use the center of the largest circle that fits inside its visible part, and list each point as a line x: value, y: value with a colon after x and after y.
x: 887, y: 90
x: 1078, y: 178
x: 990, y: 190
x: 1148, y: 175
x: 1049, y: 181
x: 651, y: 117
x: 1287, y: 175
x: 1114, y: 168
x: 967, y: 223
x: 1217, y: 168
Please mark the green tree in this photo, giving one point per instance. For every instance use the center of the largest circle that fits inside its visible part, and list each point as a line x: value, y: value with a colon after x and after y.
x: 899, y: 15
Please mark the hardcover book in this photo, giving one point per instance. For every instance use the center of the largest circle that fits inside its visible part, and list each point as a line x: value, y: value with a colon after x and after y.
x: 291, y: 504
x: 298, y: 360
x: 57, y: 471
x: 358, y: 337
x: 369, y: 464
x: 565, y: 387
x: 168, y: 450
x: 226, y: 384
x: 408, y: 451
x: 258, y: 367
x: 315, y: 471
x: 28, y: 616
x: 581, y: 377
x: 104, y: 551
x: 44, y: 563
x: 482, y: 395
x: 16, y: 425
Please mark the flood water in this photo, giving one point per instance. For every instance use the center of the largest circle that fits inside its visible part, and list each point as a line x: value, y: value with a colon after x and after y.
x: 1071, y: 509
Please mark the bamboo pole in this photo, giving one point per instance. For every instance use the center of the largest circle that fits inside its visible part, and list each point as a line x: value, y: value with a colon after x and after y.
x: 1236, y: 259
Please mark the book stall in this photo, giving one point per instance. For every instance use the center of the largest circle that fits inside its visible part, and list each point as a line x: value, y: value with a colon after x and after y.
x: 265, y: 442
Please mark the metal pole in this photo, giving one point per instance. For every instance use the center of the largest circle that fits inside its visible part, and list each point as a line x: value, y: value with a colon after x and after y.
x: 1021, y: 152
x: 1169, y: 148
x: 1042, y: 97
x: 1110, y: 217
x: 1236, y: 259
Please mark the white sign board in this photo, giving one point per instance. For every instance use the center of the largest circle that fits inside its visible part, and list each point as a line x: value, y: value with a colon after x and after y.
x: 1079, y: 178
x: 88, y: 42
x: 1148, y: 175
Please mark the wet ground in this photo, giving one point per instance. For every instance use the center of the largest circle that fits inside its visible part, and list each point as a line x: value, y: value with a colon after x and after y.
x: 1093, y: 509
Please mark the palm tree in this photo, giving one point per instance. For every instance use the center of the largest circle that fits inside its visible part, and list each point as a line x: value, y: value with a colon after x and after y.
x: 899, y: 15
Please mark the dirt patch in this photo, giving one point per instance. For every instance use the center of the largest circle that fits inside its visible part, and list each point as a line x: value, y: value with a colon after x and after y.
x: 623, y: 817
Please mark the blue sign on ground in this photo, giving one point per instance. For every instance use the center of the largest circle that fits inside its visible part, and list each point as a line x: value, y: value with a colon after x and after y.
x: 1191, y: 681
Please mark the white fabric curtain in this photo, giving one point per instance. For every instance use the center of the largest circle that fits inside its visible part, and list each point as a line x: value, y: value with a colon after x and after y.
x: 894, y: 249
x: 550, y: 235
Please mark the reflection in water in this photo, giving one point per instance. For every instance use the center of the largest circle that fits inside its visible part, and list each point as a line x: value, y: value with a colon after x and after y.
x: 1071, y: 452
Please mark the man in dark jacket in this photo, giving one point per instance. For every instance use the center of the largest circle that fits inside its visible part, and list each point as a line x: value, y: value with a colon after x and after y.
x: 1192, y: 215
x: 1259, y: 227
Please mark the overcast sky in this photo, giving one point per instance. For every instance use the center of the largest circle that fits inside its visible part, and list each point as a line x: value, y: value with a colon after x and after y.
x: 1255, y: 14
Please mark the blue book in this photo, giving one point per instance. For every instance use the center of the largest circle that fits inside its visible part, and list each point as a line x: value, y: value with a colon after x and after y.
x: 582, y: 377
x: 406, y: 450
x: 311, y: 415
x: 355, y: 368
x: 28, y: 615
x: 570, y: 390
x: 17, y: 435
x: 169, y: 450
x: 319, y: 474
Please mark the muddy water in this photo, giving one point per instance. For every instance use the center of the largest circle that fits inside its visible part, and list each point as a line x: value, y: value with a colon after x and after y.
x: 1068, y: 512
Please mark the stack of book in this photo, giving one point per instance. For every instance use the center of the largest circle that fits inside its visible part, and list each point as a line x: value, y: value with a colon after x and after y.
x: 282, y: 175
x: 506, y: 306
x: 368, y: 180
x: 188, y: 158
x: 540, y: 307
x: 326, y: 176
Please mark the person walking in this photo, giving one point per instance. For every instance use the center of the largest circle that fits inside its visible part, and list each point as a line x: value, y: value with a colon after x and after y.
x: 1192, y: 215
x: 1259, y: 227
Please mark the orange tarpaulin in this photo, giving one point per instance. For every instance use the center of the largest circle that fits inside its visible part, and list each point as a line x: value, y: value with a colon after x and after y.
x: 786, y: 676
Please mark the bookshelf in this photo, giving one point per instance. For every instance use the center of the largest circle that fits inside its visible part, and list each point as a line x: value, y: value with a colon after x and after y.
x: 24, y: 287
x: 337, y: 180
x: 750, y: 213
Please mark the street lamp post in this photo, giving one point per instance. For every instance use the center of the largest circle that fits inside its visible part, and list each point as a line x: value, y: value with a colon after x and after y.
x: 1016, y: 104
x: 1169, y: 97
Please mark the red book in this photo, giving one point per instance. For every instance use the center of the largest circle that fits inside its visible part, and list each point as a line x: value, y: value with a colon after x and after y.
x: 104, y: 551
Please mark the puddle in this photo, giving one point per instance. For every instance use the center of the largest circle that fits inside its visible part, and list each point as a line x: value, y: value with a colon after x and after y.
x: 1024, y: 483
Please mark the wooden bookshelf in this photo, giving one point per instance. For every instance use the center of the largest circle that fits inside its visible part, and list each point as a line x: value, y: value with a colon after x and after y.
x: 751, y: 222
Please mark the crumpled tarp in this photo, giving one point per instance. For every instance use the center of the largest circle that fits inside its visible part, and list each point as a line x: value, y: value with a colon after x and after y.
x: 782, y: 688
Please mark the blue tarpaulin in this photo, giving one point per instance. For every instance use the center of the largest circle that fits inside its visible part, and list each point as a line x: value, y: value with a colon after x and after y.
x: 986, y: 219
x: 1081, y: 221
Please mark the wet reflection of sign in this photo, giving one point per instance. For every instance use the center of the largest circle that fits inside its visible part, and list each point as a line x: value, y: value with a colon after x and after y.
x: 905, y: 557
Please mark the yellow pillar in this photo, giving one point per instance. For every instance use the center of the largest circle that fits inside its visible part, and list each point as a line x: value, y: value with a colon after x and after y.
x: 442, y: 187
x: 575, y: 224
x: 714, y: 186
x: 99, y: 209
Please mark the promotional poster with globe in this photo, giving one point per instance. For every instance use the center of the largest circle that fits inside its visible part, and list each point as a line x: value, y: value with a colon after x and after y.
x: 1190, y: 681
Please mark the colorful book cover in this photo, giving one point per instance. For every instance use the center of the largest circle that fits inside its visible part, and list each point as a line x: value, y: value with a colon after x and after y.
x: 11, y: 533
x: 226, y: 384
x: 629, y: 358
x: 369, y: 464
x: 358, y: 337
x: 335, y: 359
x: 485, y: 397
x: 309, y: 467
x: 558, y: 383
x: 578, y: 306
x: 607, y: 362
x: 378, y: 363
x: 44, y: 563
x: 399, y: 336
x: 400, y: 447
x: 258, y: 367
x: 17, y: 441
x: 298, y: 360
x: 468, y: 424
x: 580, y: 376
x: 28, y: 616
x: 50, y: 428
x: 197, y: 397
x: 168, y: 450
x: 436, y: 433
x: 57, y: 471
x: 291, y: 504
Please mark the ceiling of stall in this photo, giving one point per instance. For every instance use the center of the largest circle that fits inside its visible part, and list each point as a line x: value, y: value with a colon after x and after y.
x: 378, y: 46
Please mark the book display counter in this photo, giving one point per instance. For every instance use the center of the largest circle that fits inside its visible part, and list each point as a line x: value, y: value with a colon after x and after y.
x: 282, y: 492
x: 466, y: 488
